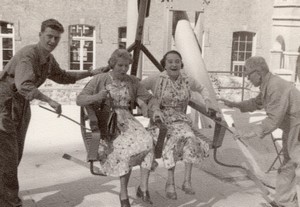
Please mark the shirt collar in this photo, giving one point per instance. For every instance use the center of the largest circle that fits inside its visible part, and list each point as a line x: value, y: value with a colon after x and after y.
x: 165, y: 75
x: 264, y: 81
x: 43, y: 55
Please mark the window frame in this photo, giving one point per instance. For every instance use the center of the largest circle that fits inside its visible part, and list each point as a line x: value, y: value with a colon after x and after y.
x: 122, y: 40
x: 9, y: 36
x: 241, y: 51
x: 82, y: 40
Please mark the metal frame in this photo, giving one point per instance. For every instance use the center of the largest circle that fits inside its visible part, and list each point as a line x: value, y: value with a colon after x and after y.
x: 279, y: 153
x: 138, y: 46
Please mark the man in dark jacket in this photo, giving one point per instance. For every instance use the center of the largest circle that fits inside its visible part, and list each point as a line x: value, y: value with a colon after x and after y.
x: 19, y: 82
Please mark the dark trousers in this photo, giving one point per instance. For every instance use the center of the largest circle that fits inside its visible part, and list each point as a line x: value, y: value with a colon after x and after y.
x: 14, y: 120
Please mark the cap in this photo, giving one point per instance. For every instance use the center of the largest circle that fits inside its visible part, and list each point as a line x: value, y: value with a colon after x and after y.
x: 255, y: 63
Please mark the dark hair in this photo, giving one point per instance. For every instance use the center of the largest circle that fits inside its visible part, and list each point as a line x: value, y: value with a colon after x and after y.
x: 53, y: 24
x: 119, y: 53
x: 163, y: 60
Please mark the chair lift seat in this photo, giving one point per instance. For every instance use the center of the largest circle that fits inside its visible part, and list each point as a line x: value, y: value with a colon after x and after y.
x: 92, y: 139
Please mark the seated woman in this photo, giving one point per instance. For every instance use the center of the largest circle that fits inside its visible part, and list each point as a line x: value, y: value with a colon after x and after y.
x: 173, y: 90
x: 133, y: 145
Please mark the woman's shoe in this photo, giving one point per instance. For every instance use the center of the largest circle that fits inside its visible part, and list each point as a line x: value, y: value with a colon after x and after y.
x: 274, y: 204
x: 154, y: 165
x: 188, y: 190
x: 145, y: 196
x: 125, y: 203
x: 171, y: 195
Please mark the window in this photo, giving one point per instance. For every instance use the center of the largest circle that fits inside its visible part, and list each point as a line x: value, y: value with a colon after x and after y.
x: 82, y: 47
x: 122, y: 37
x: 6, y: 43
x: 242, y: 47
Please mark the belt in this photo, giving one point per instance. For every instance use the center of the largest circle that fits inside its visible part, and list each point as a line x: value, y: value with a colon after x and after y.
x: 107, y: 106
x: 176, y: 108
x: 121, y: 107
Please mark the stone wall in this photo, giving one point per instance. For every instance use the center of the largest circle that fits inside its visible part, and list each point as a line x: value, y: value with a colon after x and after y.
x: 64, y: 94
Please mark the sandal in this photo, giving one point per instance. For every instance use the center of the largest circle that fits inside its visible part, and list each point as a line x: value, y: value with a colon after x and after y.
x: 188, y: 190
x: 125, y: 203
x: 145, y: 196
x: 171, y: 195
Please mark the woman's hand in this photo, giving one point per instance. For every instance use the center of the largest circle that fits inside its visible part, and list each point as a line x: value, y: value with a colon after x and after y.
x: 208, y: 105
x: 158, y: 115
x: 143, y: 106
x: 102, y: 95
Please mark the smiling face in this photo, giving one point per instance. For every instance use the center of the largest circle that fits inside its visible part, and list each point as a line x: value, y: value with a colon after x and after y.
x: 173, y: 65
x: 49, y: 39
x: 121, y: 68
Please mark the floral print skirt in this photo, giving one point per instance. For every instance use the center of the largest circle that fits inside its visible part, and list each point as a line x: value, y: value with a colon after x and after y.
x: 181, y: 144
x: 134, y: 146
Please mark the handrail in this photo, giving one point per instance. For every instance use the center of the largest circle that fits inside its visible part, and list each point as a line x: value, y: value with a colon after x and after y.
x: 239, y: 87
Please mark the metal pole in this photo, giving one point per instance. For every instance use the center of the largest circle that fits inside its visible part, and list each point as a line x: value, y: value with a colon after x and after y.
x: 243, y: 86
x: 139, y: 35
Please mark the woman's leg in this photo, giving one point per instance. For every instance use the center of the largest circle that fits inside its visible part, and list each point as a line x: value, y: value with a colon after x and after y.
x: 144, y: 179
x: 171, y: 179
x: 123, y: 186
x: 170, y: 185
x: 187, y: 184
x: 188, y: 172
x: 142, y: 191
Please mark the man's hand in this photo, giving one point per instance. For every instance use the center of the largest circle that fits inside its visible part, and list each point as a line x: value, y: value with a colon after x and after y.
x: 243, y: 135
x: 99, y: 70
x: 56, y: 106
x: 227, y: 102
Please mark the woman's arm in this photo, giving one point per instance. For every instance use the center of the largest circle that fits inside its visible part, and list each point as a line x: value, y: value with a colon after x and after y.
x: 143, y: 97
x: 150, y: 82
x: 200, y: 88
x: 203, y: 91
x: 91, y: 93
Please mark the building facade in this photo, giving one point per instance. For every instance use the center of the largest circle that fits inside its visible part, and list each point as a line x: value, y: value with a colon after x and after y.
x: 231, y: 31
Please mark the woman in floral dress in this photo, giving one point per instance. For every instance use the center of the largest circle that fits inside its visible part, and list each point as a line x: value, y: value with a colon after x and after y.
x: 173, y: 90
x: 133, y: 145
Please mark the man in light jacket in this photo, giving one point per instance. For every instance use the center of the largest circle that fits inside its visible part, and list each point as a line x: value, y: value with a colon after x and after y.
x: 281, y: 101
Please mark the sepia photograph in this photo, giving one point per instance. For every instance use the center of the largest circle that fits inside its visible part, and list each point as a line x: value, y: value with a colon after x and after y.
x: 139, y: 103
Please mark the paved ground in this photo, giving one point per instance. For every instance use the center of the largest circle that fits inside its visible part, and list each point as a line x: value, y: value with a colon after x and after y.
x: 48, y: 180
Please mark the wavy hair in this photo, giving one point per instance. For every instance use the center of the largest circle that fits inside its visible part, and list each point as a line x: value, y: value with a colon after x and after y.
x: 119, y: 53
